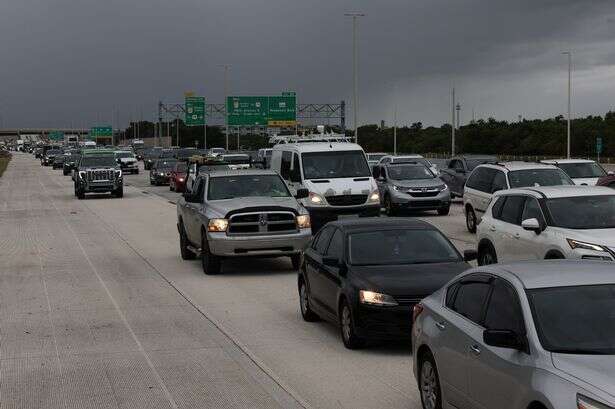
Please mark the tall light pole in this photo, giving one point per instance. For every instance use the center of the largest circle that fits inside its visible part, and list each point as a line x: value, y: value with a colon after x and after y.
x: 453, y: 122
x: 226, y: 92
x: 355, y: 76
x: 569, y: 54
x: 458, y: 108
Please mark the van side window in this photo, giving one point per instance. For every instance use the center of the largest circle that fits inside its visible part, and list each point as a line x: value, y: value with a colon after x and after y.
x: 285, y: 165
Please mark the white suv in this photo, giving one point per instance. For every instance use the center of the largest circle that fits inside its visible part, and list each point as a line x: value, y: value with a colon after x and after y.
x: 548, y: 223
x: 487, y: 179
x: 581, y: 171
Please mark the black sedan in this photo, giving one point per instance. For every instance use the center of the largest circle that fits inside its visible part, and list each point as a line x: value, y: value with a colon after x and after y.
x: 160, y: 171
x: 366, y: 275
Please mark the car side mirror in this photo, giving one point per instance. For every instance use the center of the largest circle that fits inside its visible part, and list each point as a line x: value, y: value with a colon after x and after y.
x: 302, y: 193
x: 504, y: 339
x: 470, y: 255
x: 532, y: 225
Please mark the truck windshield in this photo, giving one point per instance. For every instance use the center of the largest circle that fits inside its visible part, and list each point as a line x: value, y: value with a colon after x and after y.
x: 98, y: 160
x: 230, y: 187
x: 335, y: 164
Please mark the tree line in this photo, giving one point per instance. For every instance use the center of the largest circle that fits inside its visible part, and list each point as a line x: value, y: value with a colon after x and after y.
x: 541, y: 137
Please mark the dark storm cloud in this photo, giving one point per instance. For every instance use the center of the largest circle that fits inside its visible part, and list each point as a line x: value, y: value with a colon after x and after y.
x: 76, y: 61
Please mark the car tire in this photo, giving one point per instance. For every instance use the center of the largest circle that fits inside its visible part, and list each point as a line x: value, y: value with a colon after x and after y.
x: 210, y: 262
x: 171, y: 188
x: 137, y: 172
x: 389, y: 207
x: 119, y: 192
x: 612, y: 185
x: 183, y: 244
x: 470, y: 219
x: 347, y: 328
x: 80, y: 194
x: 304, y: 303
x: 295, y: 259
x: 429, y: 383
x: 487, y: 255
x: 444, y: 211
x: 151, y: 182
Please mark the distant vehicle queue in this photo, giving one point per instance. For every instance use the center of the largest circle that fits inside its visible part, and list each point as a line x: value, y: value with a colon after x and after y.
x: 401, y: 278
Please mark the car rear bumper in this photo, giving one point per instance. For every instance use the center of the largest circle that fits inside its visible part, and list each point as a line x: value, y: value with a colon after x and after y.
x: 267, y: 246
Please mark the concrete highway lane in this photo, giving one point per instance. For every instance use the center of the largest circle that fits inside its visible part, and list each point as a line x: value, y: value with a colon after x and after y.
x: 116, y: 316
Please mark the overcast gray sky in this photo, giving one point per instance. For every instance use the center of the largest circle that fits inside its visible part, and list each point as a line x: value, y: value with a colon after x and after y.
x: 73, y: 62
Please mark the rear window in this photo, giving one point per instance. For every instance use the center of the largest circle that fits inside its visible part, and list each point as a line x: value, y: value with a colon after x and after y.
x: 538, y: 177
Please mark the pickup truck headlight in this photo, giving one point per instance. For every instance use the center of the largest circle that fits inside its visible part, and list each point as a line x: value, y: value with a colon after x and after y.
x: 217, y: 225
x: 374, y: 197
x: 583, y: 402
x: 315, y: 199
x: 575, y: 244
x: 373, y: 298
x: 303, y: 221
x: 81, y: 174
x: 118, y: 173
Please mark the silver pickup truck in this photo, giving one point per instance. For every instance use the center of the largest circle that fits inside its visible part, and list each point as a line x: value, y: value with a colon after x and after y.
x: 241, y: 213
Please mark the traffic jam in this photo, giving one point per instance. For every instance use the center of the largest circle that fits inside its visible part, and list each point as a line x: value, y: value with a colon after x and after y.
x: 522, y: 320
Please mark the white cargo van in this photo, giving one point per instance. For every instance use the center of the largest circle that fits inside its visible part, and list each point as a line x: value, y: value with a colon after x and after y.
x: 336, y: 174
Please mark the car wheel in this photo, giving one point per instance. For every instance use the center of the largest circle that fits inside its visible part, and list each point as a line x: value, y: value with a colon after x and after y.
x: 347, y: 328
x: 444, y: 211
x: 470, y: 220
x: 171, y: 187
x: 389, y: 206
x: 304, y: 303
x: 183, y: 244
x: 80, y: 194
x: 119, y: 192
x: 429, y: 383
x: 137, y: 172
x: 487, y: 255
x: 296, y: 261
x: 211, y: 263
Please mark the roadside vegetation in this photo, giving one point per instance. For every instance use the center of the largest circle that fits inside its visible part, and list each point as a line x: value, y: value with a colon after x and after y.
x: 5, y: 158
x: 528, y: 137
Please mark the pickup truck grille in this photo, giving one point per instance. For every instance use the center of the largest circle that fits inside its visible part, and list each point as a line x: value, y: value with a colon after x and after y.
x: 99, y: 175
x: 346, y: 200
x: 262, y: 223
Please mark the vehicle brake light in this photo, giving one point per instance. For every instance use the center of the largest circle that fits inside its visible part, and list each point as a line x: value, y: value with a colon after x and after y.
x: 416, y: 311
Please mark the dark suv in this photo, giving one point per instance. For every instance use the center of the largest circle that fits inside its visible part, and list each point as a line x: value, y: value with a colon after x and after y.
x: 98, y: 172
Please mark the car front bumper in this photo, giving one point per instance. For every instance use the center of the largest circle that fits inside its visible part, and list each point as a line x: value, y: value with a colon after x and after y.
x: 406, y: 201
x: 331, y: 213
x: 383, y: 323
x: 221, y: 244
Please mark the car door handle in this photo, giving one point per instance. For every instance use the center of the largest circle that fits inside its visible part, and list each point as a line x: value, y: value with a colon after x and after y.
x: 475, y: 349
x: 440, y: 326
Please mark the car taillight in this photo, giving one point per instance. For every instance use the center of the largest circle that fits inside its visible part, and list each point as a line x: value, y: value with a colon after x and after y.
x: 416, y: 311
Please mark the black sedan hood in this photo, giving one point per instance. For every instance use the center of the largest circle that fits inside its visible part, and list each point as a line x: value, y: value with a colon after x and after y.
x: 409, y: 279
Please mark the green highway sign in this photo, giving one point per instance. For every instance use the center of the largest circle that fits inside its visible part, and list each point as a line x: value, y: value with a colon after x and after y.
x: 598, y: 145
x: 283, y: 110
x: 56, y: 135
x: 247, y: 111
x: 262, y: 111
x: 100, y: 132
x: 195, y: 111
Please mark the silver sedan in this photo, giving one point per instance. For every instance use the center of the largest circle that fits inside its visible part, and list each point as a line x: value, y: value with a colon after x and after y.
x: 531, y: 335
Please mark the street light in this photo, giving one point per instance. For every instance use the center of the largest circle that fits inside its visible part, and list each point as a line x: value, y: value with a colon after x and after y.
x: 226, y: 92
x: 354, y: 70
x: 569, y: 54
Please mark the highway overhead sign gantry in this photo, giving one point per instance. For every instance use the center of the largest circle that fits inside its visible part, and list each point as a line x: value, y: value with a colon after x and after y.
x: 195, y: 111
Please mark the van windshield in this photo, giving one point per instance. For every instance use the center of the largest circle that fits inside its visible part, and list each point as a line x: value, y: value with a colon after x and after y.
x: 335, y: 164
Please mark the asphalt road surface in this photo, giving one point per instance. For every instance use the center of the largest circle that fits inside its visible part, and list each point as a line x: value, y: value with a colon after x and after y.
x: 97, y: 309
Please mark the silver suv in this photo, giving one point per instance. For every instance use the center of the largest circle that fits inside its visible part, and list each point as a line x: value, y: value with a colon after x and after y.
x: 241, y: 213
x: 411, y: 186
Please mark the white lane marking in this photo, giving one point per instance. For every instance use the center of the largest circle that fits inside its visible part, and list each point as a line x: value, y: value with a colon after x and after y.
x: 164, y: 388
